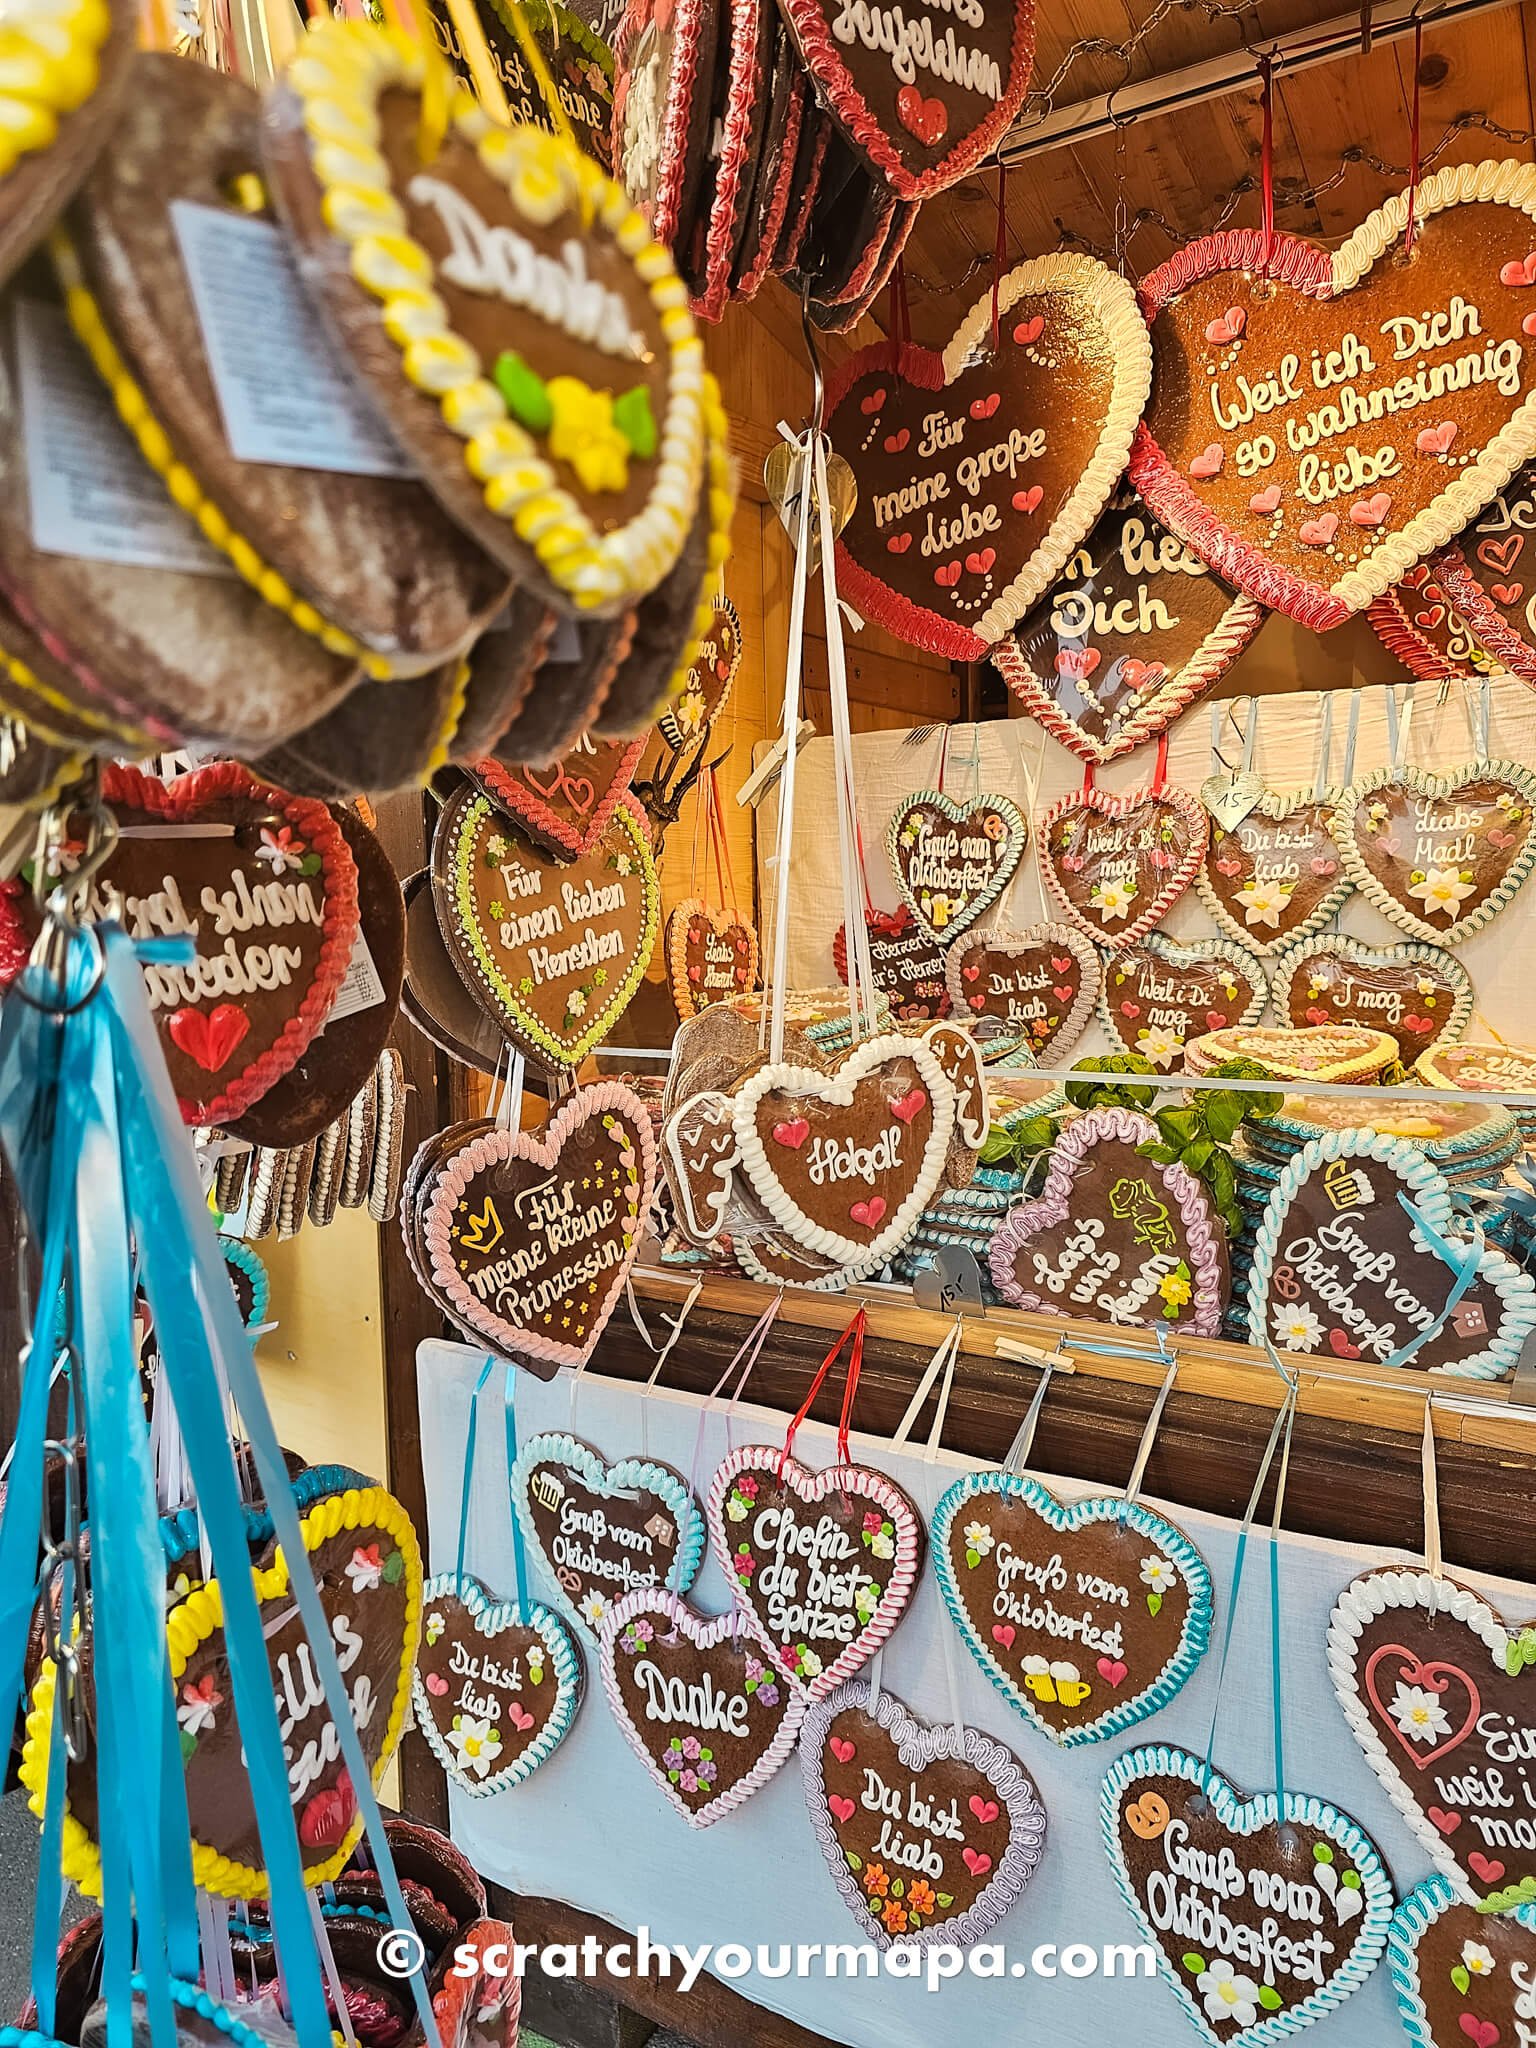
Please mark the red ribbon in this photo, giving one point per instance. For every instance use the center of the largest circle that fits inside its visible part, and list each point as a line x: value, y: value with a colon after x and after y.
x: 1160, y: 773
x: 855, y: 1330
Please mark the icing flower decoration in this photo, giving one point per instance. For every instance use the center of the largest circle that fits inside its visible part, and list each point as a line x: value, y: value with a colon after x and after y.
x: 1476, y: 1960
x: 535, y: 1663
x: 584, y: 433
x: 593, y: 1609
x: 476, y: 1742
x: 1262, y: 902
x: 1442, y: 889
x: 199, y: 1697
x: 1296, y: 1329
x: 495, y: 850
x: 1419, y: 1714
x: 921, y: 1896
x: 280, y: 849
x: 636, y: 1636
x: 1425, y: 985
x: 877, y: 1880
x: 865, y: 1601
x: 365, y: 1569
x: 745, y: 1564
x: 64, y: 856
x: 807, y: 1663
x: 1112, y: 898
x: 978, y: 1541
x: 1228, y: 1996
x: 1159, y: 1574
x: 575, y: 1004
x: 435, y: 1627
x: 1176, y: 1289
x: 894, y: 1917
x: 1159, y: 1045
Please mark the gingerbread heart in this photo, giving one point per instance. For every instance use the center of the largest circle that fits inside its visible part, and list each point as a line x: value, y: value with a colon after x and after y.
x: 1290, y: 1880
x: 699, y: 1156
x: 530, y: 1236
x: 1416, y: 621
x: 1133, y: 630
x: 1498, y: 1068
x: 567, y: 807
x: 494, y: 1691
x: 1253, y: 449
x: 1490, y: 575
x: 1421, y: 994
x: 845, y: 1159
x: 930, y: 1833
x: 908, y: 963
x: 1276, y: 874
x: 1116, y: 864
x: 707, y: 680
x: 1360, y: 1254
x: 1015, y: 1564
x: 711, y: 955
x: 824, y: 1561
x: 1160, y: 992
x: 1439, y: 854
x: 974, y: 482
x: 1316, y: 1052
x: 698, y: 1700
x: 1034, y: 988
x: 602, y: 1531
x: 1114, y: 1236
x: 1440, y: 1693
x: 1460, y: 1974
x: 952, y: 859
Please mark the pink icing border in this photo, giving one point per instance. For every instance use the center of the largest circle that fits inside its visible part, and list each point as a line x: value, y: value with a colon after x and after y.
x: 720, y: 922
x: 744, y: 95
x: 751, y: 279
x: 1493, y: 632
x: 540, y: 1150
x: 1109, y: 805
x: 813, y: 1488
x: 795, y: 228
x: 504, y: 787
x: 704, y: 1631
x: 1053, y: 1205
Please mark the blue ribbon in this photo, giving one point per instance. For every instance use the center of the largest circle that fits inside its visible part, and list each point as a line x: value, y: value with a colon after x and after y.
x: 470, y: 1436
x: 1464, y: 1256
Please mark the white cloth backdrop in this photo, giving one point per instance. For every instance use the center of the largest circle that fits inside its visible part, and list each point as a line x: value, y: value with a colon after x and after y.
x: 1018, y: 759
x: 591, y: 1830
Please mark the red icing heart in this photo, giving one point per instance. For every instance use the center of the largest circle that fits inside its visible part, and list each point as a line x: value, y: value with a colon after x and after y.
x: 1142, y: 675
x: 842, y: 1808
x: 1077, y: 662
x: 1508, y: 594
x: 1481, y: 2033
x: 1528, y: 324
x: 868, y: 1214
x: 1447, y: 1823
x: 1516, y: 274
x: 1113, y: 1670
x: 978, y: 564
x: 872, y: 401
x: 985, y: 1810
x: 1029, y: 330
x: 1129, y: 1009
x: 1063, y: 995
x: 914, y: 1100
x: 983, y: 408
x: 793, y: 1133
x: 843, y: 1751
x: 899, y: 543
x: 1004, y: 1632
x: 209, y: 1037
x: 947, y: 575
x: 971, y: 973
x: 1488, y: 1868
x: 1339, y: 1342
x: 1028, y: 501
x: 976, y: 1861
x: 895, y: 443
x: 1501, y: 554
x: 1430, y: 619
x: 927, y: 119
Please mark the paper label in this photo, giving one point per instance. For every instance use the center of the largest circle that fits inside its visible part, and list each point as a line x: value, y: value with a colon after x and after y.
x: 361, y: 988
x: 289, y: 399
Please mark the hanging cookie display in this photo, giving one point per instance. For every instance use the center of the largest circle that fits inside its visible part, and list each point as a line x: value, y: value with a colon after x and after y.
x: 69, y: 78
x: 494, y: 1691
x: 1118, y: 863
x: 975, y: 483
x: 711, y: 955
x: 908, y: 963
x: 1489, y: 572
x: 1271, y: 350
x: 1439, y: 854
x: 1461, y: 1974
x: 579, y: 63
x: 1132, y: 632
x: 1416, y: 621
x: 664, y: 68
x: 707, y: 681
x: 1033, y: 989
x: 1421, y: 994
x: 1275, y: 874
x: 1159, y: 993
x: 952, y: 859
x: 1360, y: 1254
x: 568, y: 807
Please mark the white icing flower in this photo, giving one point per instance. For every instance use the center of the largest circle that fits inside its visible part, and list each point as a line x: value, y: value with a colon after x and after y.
x: 1227, y: 1995
x: 1419, y: 1714
x: 1476, y: 1960
x: 365, y: 1568
x: 1112, y: 899
x: 1159, y: 1574
x: 593, y: 1609
x: 1262, y: 902
x: 978, y: 1537
x: 1159, y: 1045
x: 880, y: 1545
x: 1296, y: 1329
x: 1442, y: 889
x: 475, y: 1743
x: 736, y: 1510
x: 810, y: 1664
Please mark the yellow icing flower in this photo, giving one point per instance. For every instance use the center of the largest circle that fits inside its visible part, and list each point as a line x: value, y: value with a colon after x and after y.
x: 584, y: 435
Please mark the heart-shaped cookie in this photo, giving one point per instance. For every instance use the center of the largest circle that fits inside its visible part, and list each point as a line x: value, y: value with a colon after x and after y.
x: 554, y: 949
x: 494, y: 1692
x: 1085, y: 1616
x: 1416, y: 621
x: 600, y: 1531
x: 1462, y: 1975
x: 1276, y: 874
x: 908, y: 962
x: 930, y: 1833
x: 1440, y: 1693
x: 1320, y: 421
x: 530, y: 1235
x: 699, y: 1156
x: 825, y: 1561
x: 1292, y: 1894
x: 567, y: 807
x: 845, y: 1160
x: 697, y: 1699
x: 1033, y: 988
x: 1360, y: 1254
x: 974, y: 482
x: 1497, y: 1068
x: 1116, y: 864
x: 1160, y: 992
x: 952, y: 859
x: 1439, y: 854
x: 707, y: 680
x: 1132, y: 632
x: 1490, y: 574
x: 1115, y: 1237
x: 1316, y: 1052
x: 1421, y: 994
x: 711, y: 955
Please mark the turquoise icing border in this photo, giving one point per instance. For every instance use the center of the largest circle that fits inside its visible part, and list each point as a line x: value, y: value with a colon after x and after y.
x: 957, y: 813
x: 1415, y: 1915
x: 1066, y: 1517
x: 489, y: 1616
x: 238, y: 1253
x: 1260, y: 1809
x: 180, y: 1530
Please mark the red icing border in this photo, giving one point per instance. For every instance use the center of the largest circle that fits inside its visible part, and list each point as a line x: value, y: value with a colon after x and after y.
x: 1388, y: 618
x: 762, y: 265
x: 1109, y: 805
x: 744, y: 93
x: 1492, y: 631
x: 682, y: 83
x: 502, y: 786
x: 796, y: 229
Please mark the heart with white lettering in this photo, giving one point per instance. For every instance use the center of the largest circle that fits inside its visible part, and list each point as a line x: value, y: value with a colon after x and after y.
x: 1266, y: 1912
x: 951, y: 860
x: 529, y: 1236
x: 1160, y: 992
x: 1114, y: 1236
x: 1416, y: 621
x: 930, y: 107
x: 1439, y: 854
x: 1117, y: 864
x: 1462, y: 1975
x: 366, y: 1563
x: 975, y: 483
x: 845, y: 1159
x: 930, y: 1832
x: 1490, y: 575
x: 1360, y: 1253
x: 1033, y: 989
x: 494, y: 1691
x: 698, y: 1700
x: 908, y: 963
x: 824, y: 1561
x: 1131, y: 633
x: 599, y: 1531
x: 1421, y: 994
x: 262, y: 885
x: 1324, y: 485
x: 711, y: 955
x: 1276, y: 874
x: 1085, y: 1616
x: 1495, y: 1068
x: 707, y: 680
x: 1440, y: 1693
x: 566, y: 808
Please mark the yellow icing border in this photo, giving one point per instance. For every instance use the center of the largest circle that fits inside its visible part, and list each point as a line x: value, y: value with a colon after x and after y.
x: 721, y: 485
x: 187, y: 1627
x: 51, y: 50
x: 23, y: 679
x: 452, y: 718
x: 340, y: 73
x: 154, y: 445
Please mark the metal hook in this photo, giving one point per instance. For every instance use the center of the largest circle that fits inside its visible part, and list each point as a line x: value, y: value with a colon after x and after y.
x: 818, y: 383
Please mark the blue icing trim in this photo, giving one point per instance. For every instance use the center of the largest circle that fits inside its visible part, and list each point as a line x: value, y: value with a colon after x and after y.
x: 628, y: 1475
x: 1245, y: 1816
x: 238, y: 1253
x: 1413, y: 1919
x: 192, y: 1999
x: 977, y: 1488
x: 180, y: 1530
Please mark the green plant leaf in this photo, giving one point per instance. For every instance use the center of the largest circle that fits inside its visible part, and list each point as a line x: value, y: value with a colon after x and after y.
x: 1197, y: 1156
x: 1221, y: 1179
x: 996, y: 1146
x: 1179, y: 1126
x: 1162, y: 1155
x: 1224, y: 1110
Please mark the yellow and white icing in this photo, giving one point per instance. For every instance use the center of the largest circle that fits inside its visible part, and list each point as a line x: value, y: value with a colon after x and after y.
x: 339, y: 75
x: 50, y: 64
x: 721, y: 485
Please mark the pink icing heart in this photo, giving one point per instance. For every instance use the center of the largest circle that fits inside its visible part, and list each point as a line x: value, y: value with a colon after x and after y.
x: 985, y: 1810
x: 520, y: 1718
x: 976, y: 1862
x: 1229, y: 867
x: 1003, y: 1632
x: 909, y: 1105
x: 1266, y: 501
x: 1029, y: 330
x: 1447, y: 1823
x: 1372, y: 510
x: 842, y: 1809
x: 841, y: 1749
x: 436, y: 1684
x: 1226, y: 327
x: 1481, y: 2033
x: 1316, y: 533
x: 1488, y: 1868
x: 793, y: 1134
x: 1436, y: 440
x: 1516, y: 274
x: 1208, y: 462
x: 1112, y: 1670
x: 868, y: 1214
x: 1027, y: 501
